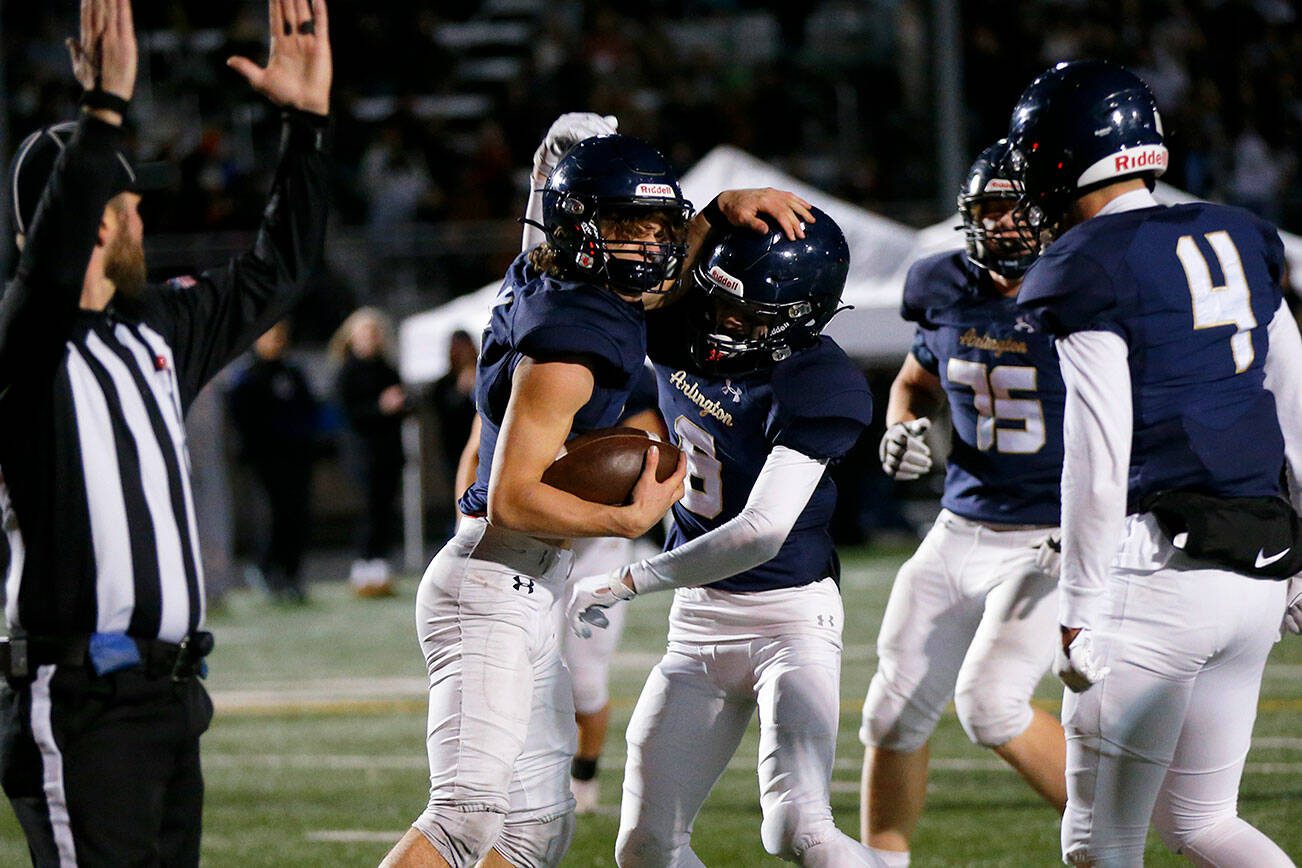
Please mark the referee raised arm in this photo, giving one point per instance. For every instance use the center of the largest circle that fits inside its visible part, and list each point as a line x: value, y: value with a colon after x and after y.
x: 102, y: 713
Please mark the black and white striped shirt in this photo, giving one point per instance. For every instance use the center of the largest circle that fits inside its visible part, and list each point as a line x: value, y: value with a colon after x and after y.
x: 96, y: 490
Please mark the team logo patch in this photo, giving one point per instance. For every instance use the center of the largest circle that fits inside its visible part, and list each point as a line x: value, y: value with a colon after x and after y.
x: 663, y: 191
x: 726, y: 280
x: 185, y: 281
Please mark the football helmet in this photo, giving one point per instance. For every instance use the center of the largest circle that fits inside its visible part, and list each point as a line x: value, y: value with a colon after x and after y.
x: 759, y: 297
x: 1007, y: 253
x: 615, y: 177
x: 1081, y: 125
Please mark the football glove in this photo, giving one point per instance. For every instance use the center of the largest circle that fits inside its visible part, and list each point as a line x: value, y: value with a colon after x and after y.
x: 1293, y: 613
x: 1048, y: 555
x: 591, y: 595
x: 567, y: 131
x: 1077, y: 666
x: 904, y: 453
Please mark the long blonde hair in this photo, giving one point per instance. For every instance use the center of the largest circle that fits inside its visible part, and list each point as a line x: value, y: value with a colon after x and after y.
x: 341, y: 341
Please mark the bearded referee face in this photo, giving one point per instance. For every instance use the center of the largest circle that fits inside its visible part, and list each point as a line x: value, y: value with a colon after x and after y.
x: 124, y: 260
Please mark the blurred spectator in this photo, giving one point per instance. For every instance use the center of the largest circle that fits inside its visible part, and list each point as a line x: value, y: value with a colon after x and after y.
x: 373, y: 402
x: 453, y: 398
x: 275, y: 414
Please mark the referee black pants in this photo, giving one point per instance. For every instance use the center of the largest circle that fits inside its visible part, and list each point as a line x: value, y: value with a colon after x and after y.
x: 105, y: 770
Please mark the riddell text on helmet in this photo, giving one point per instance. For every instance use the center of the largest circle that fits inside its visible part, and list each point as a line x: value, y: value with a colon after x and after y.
x: 1147, y: 158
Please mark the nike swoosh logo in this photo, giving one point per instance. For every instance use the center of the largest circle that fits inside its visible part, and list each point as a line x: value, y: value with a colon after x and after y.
x: 1263, y: 561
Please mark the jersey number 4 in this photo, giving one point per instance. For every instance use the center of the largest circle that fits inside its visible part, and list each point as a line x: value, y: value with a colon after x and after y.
x: 994, y: 403
x: 1229, y: 304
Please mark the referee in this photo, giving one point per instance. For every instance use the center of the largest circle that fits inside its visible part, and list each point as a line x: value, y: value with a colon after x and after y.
x: 102, y: 713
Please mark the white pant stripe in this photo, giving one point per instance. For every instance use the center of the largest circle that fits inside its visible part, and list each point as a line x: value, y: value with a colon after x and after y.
x: 52, y: 766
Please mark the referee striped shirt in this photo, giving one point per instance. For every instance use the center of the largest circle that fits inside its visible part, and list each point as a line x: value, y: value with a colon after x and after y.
x: 96, y: 496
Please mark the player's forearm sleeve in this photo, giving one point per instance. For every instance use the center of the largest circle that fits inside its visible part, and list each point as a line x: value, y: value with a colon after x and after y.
x: 753, y: 536
x: 1284, y: 380
x: 533, y: 218
x: 1097, y: 428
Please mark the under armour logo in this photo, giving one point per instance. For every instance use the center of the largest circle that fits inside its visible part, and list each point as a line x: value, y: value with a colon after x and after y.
x: 826, y: 620
x: 1022, y: 325
x: 731, y: 390
x: 521, y: 582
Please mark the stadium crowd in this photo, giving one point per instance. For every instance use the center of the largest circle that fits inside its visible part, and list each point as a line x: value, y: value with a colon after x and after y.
x: 833, y: 91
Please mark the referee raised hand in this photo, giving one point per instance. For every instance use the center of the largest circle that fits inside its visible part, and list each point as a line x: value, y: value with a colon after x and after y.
x: 102, y: 709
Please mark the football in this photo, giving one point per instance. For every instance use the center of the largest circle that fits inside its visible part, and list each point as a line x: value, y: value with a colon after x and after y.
x: 603, y: 466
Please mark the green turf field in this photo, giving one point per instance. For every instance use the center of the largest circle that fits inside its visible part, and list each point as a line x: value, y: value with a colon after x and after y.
x: 316, y: 754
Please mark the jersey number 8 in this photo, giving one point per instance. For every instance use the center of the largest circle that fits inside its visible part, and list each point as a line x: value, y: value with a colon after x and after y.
x: 704, y: 487
x: 994, y: 402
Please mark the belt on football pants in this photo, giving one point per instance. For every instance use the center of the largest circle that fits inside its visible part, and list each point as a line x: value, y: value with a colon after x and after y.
x: 520, y: 552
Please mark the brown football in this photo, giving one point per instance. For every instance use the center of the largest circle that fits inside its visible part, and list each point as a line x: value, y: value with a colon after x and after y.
x: 603, y: 466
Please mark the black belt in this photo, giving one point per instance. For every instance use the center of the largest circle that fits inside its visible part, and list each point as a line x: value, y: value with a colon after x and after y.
x: 21, y: 655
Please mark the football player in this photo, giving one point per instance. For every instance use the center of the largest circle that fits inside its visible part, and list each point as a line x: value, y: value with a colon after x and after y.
x: 1183, y: 370
x: 972, y: 614
x: 760, y: 403
x: 565, y: 341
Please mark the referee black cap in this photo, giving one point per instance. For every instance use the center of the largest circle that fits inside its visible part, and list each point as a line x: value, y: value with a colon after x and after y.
x: 34, y: 163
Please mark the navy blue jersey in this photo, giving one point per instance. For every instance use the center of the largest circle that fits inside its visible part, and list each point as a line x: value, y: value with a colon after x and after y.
x: 1191, y: 289
x: 549, y: 319
x: 815, y: 402
x: 1004, y: 388
x: 644, y: 395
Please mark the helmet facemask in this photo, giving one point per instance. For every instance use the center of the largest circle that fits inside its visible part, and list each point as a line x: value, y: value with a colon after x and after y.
x: 734, y: 336
x: 606, y: 249
x: 996, y: 234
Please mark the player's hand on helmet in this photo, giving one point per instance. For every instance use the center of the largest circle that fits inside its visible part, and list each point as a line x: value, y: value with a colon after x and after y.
x: 652, y: 499
x: 904, y: 452
x: 299, y: 68
x: 1048, y: 555
x: 744, y: 207
x: 1292, y: 622
x: 592, y: 595
x: 567, y: 131
x: 104, y: 55
x: 1077, y: 663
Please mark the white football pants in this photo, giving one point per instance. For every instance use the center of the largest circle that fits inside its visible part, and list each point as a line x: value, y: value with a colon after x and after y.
x: 1166, y: 734
x: 690, y: 718
x: 501, y: 726
x: 969, y: 612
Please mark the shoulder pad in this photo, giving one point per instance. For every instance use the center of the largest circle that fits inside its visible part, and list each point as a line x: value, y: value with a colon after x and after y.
x: 935, y: 283
x: 821, y: 402
x: 1068, y: 291
x: 551, y: 318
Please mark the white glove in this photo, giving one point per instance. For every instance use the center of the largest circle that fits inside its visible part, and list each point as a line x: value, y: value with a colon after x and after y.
x: 590, y: 595
x: 1076, y: 666
x: 904, y: 454
x: 1293, y: 613
x: 567, y: 131
x: 1048, y: 555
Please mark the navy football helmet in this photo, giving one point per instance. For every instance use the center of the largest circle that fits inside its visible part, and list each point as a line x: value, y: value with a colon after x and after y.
x: 759, y: 297
x: 1079, y: 126
x: 1007, y: 253
x: 615, y: 177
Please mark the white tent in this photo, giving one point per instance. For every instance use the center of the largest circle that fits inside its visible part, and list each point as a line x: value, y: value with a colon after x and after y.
x: 881, y: 252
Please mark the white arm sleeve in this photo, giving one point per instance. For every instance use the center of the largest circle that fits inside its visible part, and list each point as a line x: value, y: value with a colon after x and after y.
x: 1284, y: 380
x: 753, y: 536
x: 533, y: 236
x: 1097, y: 428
